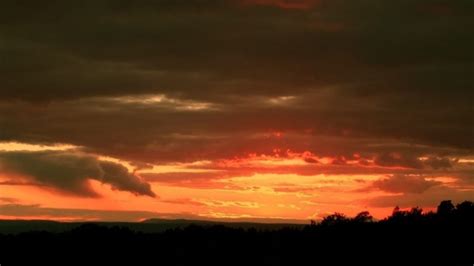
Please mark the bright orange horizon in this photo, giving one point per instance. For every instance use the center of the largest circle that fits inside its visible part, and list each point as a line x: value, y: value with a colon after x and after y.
x: 279, y: 187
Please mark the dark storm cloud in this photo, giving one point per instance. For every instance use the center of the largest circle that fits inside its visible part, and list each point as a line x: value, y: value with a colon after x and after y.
x: 152, y: 134
x: 365, y: 74
x: 68, y: 172
x: 113, y: 48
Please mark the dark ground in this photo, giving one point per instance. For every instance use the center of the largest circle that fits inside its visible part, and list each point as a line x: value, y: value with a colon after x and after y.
x: 405, y: 238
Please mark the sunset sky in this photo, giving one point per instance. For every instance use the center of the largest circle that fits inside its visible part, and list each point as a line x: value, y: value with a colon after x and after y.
x: 257, y: 110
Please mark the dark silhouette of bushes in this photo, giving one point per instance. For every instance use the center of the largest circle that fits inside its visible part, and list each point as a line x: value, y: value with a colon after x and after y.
x: 406, y: 238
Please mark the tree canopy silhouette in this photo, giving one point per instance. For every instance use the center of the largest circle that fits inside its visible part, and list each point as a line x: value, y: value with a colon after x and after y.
x: 445, y: 234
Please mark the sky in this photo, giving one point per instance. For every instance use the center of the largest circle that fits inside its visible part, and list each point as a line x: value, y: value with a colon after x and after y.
x: 257, y: 110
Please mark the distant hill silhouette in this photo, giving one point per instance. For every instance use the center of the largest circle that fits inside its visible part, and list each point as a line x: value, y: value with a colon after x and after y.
x: 405, y: 238
x: 146, y: 226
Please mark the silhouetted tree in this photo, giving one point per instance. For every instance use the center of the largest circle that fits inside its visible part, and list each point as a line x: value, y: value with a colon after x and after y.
x: 396, y: 210
x: 397, y: 215
x: 335, y: 219
x: 465, y: 210
x: 445, y: 208
x: 415, y: 212
x: 363, y: 217
x: 465, y: 206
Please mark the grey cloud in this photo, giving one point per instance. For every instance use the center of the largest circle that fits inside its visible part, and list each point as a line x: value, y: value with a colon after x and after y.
x: 69, y: 171
x: 401, y: 69
x: 56, y: 51
x: 412, y: 161
x: 152, y: 133
x: 404, y: 184
x: 119, y: 177
x: 440, y: 163
x: 398, y: 160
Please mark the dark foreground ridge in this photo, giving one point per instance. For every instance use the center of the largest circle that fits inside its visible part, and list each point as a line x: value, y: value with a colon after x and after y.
x: 443, y: 237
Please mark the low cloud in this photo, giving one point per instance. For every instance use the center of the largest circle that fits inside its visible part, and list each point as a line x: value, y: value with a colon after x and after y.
x: 439, y: 163
x: 8, y: 200
x: 20, y: 210
x: 429, y: 199
x: 398, y: 160
x: 404, y: 184
x: 70, y: 171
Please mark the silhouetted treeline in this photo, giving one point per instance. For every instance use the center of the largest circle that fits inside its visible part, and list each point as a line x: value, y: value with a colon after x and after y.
x: 446, y: 213
x: 412, y: 237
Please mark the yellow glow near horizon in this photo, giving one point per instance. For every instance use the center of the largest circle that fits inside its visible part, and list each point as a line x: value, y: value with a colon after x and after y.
x: 250, y: 187
x: 17, y: 146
